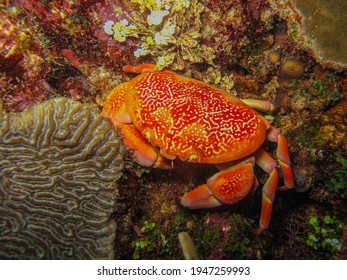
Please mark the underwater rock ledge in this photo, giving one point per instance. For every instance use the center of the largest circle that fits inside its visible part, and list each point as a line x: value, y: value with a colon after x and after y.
x: 59, y: 164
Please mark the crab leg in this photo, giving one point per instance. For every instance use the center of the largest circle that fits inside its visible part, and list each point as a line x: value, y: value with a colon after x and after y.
x: 261, y: 105
x: 274, y: 135
x: 143, y: 152
x: 143, y: 68
x: 268, y: 164
x: 282, y: 154
x: 269, y: 192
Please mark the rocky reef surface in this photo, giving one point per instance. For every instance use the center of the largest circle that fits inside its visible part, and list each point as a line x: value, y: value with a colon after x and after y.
x: 277, y: 50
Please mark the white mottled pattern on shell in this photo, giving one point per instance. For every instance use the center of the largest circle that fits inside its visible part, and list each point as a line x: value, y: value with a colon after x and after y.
x: 193, y: 117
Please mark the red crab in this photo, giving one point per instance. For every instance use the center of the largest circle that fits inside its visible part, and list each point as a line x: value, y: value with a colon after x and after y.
x: 163, y: 116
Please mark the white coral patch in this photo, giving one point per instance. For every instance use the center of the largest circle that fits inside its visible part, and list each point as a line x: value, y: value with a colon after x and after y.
x: 124, y: 21
x: 108, y: 27
x: 140, y: 52
x: 156, y: 17
x: 160, y: 39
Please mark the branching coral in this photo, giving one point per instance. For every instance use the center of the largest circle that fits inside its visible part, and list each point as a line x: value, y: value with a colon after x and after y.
x: 168, y: 30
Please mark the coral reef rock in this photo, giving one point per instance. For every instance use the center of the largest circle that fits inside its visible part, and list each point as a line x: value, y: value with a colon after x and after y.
x: 325, y: 24
x: 292, y: 69
x: 59, y: 166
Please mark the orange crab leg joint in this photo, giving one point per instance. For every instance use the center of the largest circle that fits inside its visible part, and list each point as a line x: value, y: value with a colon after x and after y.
x: 269, y: 191
x: 261, y: 105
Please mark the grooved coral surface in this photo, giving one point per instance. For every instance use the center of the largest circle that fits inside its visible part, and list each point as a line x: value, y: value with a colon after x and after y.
x: 59, y: 166
x: 325, y: 24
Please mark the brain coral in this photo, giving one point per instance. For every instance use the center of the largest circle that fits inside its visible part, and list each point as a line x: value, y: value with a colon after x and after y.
x: 59, y: 166
x: 325, y: 22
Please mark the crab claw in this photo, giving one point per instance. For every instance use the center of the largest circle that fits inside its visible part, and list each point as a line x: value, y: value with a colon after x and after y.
x: 199, y: 198
x: 144, y: 153
x: 225, y: 187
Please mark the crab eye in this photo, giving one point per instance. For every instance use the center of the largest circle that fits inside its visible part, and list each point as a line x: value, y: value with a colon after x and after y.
x: 193, y: 158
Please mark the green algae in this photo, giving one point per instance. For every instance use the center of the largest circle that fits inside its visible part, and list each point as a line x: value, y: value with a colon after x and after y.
x: 338, y: 182
x: 151, y: 240
x: 324, y: 233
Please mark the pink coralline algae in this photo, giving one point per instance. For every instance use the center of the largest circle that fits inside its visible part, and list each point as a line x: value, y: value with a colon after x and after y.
x: 244, y: 22
x: 23, y: 68
x: 56, y: 48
